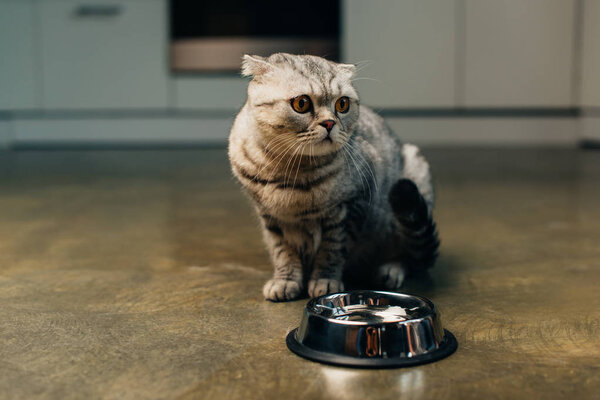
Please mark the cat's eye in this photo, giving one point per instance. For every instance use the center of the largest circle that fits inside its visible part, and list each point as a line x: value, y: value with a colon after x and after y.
x: 342, y: 104
x: 301, y: 104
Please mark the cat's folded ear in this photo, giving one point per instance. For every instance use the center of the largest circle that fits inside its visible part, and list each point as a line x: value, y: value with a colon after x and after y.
x: 255, y: 66
x: 347, y: 69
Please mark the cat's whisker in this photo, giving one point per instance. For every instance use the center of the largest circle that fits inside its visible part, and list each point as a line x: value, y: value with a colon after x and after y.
x: 265, y: 167
x: 298, y: 168
x: 297, y: 152
x: 274, y: 171
x: 291, y: 161
x: 364, y: 184
x: 360, y: 65
x: 273, y: 144
x: 360, y: 166
x: 345, y: 158
x: 364, y: 78
x: 305, y: 134
x: 280, y: 141
x: 361, y: 176
x: 306, y: 140
x: 346, y: 155
x: 367, y: 167
x: 290, y: 149
x: 288, y: 143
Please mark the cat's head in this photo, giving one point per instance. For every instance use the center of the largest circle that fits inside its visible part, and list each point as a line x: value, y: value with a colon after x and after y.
x: 301, y: 101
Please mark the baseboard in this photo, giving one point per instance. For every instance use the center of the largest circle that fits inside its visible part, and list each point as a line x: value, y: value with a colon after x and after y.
x: 74, y: 145
x: 193, y: 130
x: 589, y: 144
x: 5, y: 134
x: 126, y: 132
x: 590, y: 128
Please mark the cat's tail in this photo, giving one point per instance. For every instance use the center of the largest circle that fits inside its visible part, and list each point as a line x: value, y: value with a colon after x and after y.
x: 419, y: 234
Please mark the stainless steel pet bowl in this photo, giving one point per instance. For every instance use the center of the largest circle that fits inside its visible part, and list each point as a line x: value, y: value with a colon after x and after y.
x: 371, y: 329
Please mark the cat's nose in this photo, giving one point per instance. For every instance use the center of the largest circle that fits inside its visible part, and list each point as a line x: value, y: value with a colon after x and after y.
x: 328, y: 124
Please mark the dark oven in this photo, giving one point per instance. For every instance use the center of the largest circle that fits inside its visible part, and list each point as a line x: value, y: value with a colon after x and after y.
x: 212, y: 36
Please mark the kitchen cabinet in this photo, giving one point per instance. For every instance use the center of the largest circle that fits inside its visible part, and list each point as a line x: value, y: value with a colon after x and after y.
x: 104, y: 55
x: 519, y: 53
x: 405, y: 50
x: 590, y: 76
x: 19, y: 83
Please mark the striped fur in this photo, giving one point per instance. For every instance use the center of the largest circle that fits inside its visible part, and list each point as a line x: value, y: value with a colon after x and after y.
x: 352, y: 201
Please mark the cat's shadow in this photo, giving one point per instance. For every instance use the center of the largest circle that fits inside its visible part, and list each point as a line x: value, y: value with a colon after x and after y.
x: 425, y: 283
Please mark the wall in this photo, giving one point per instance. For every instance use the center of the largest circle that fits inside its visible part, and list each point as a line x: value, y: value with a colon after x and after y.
x: 590, y: 78
x: 466, y: 72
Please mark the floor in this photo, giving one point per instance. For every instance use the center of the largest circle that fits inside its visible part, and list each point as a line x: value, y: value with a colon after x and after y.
x: 138, y: 274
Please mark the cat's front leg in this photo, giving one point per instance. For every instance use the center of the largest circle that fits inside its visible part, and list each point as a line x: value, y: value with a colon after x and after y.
x: 286, y: 283
x: 329, y: 261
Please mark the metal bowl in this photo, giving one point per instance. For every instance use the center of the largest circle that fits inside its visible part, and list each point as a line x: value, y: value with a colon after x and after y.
x: 371, y: 329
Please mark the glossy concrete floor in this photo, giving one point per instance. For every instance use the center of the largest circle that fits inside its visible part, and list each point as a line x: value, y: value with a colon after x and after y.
x: 138, y: 274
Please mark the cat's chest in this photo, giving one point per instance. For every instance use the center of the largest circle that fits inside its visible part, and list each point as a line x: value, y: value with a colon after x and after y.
x: 293, y: 204
x: 305, y: 238
x: 293, y: 201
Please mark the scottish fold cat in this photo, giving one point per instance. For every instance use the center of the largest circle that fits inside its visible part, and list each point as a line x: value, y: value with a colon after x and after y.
x: 339, y: 196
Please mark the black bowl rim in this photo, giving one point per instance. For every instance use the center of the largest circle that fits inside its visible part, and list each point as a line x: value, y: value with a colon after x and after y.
x: 447, y: 347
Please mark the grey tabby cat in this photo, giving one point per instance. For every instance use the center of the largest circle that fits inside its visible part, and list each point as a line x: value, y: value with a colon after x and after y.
x: 339, y: 196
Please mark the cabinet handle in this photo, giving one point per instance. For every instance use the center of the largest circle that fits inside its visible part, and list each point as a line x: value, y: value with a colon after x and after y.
x: 98, y: 10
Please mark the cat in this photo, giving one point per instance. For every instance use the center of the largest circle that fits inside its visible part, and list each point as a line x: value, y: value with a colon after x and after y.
x: 339, y: 196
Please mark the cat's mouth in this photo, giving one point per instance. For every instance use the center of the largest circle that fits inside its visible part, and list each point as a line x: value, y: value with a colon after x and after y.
x: 328, y: 139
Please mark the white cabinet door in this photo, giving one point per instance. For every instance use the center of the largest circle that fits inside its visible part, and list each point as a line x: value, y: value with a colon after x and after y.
x: 519, y: 53
x: 18, y: 83
x: 408, y: 47
x: 590, y: 77
x: 104, y: 55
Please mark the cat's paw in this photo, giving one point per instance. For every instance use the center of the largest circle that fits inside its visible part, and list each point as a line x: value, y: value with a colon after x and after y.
x: 319, y: 287
x: 281, y: 290
x: 390, y: 276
